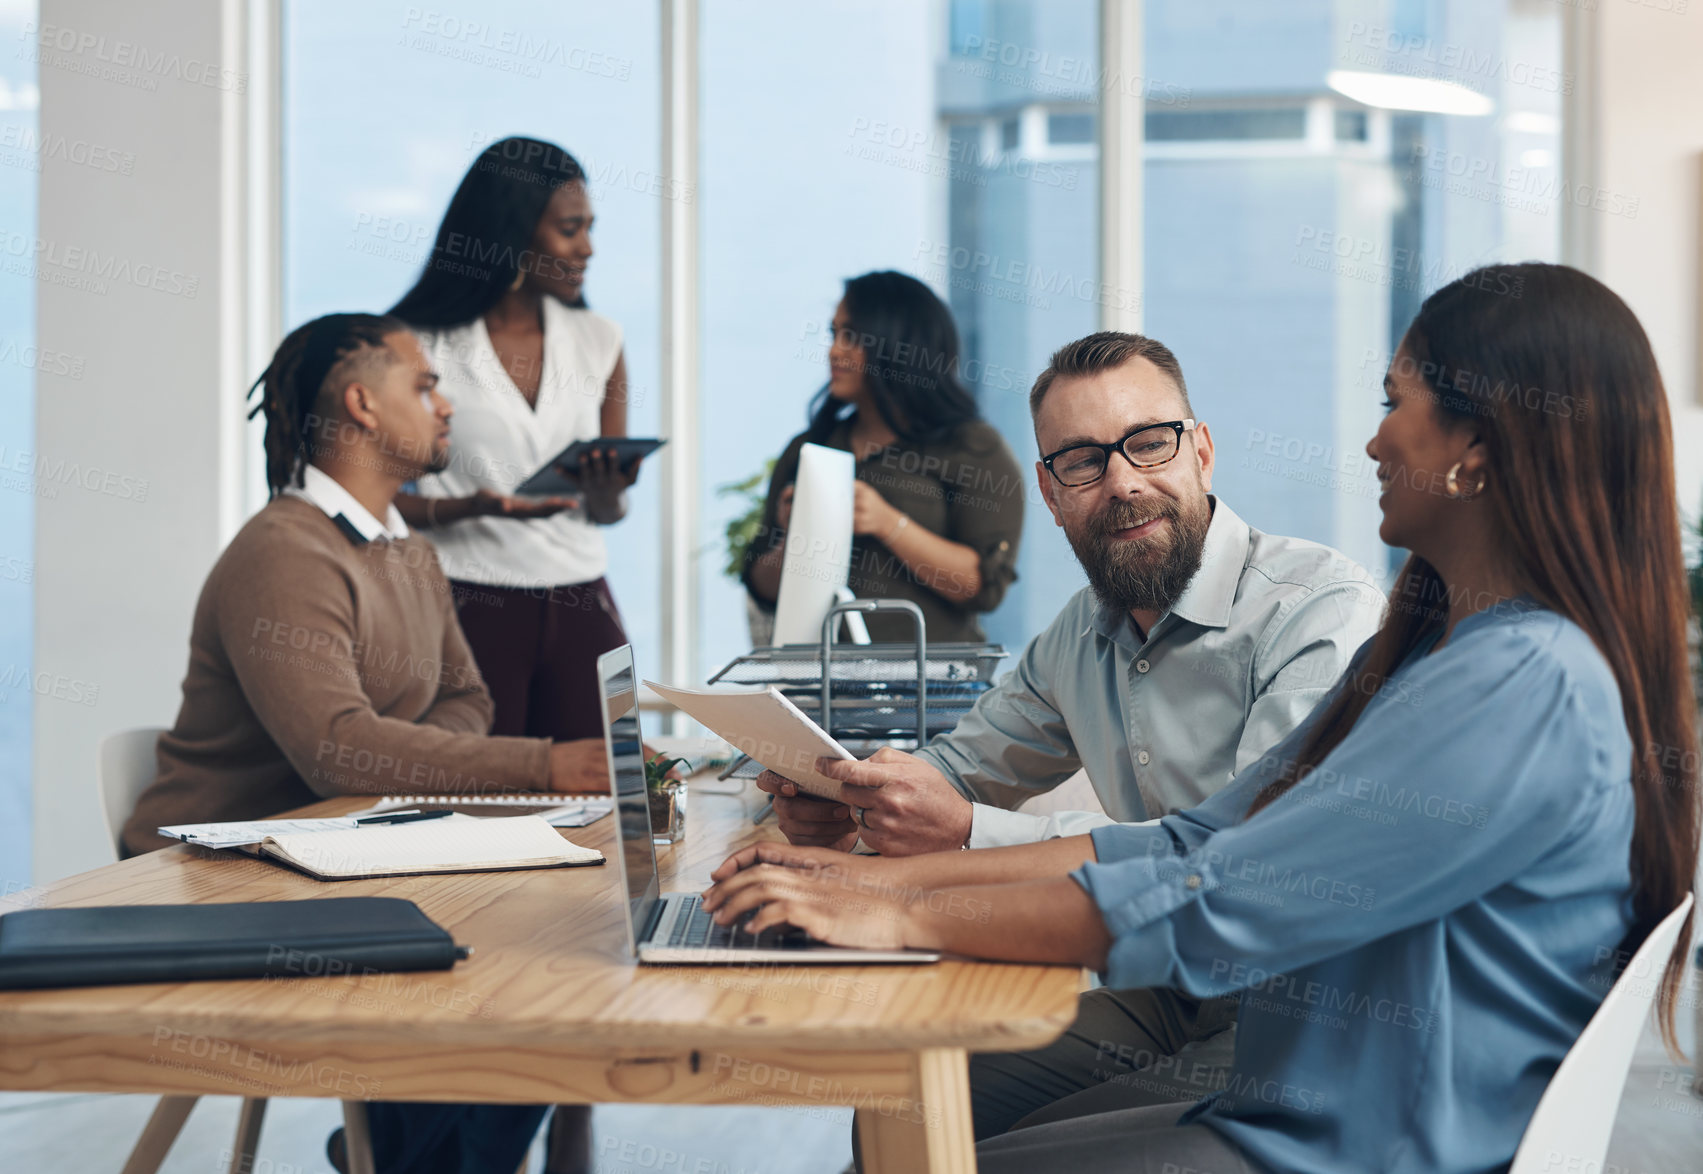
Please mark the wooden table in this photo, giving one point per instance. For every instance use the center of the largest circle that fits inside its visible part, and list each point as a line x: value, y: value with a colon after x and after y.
x: 550, y: 1008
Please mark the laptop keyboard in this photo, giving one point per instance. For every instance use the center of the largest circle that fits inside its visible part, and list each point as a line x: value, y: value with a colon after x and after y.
x: 694, y: 928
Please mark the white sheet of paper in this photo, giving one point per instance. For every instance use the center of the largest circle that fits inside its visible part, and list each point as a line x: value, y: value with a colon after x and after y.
x: 758, y: 720
x: 235, y: 835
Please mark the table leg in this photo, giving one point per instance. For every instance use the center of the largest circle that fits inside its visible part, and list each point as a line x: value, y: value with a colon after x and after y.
x: 357, y: 1138
x: 930, y: 1135
x: 248, y: 1135
x: 162, y: 1129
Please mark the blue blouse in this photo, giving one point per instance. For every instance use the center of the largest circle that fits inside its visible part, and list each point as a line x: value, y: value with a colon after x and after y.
x: 1421, y: 928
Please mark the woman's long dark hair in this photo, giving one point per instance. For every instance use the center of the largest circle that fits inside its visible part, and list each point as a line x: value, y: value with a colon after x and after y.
x: 910, y: 360
x: 1559, y: 379
x: 485, y: 239
x: 290, y: 387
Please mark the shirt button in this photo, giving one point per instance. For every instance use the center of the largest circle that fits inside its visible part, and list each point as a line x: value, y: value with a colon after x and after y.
x: 1194, y: 881
x: 1143, y: 758
x: 1141, y: 666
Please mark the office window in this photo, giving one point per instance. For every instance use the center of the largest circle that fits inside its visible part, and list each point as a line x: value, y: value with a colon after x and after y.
x: 385, y: 109
x: 1350, y: 126
x: 1022, y: 273
x: 1283, y: 278
x: 1165, y: 126
x: 20, y: 155
x: 1067, y: 129
x: 902, y: 148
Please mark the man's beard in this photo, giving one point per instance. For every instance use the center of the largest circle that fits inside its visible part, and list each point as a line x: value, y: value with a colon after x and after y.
x: 439, y: 459
x: 1141, y: 574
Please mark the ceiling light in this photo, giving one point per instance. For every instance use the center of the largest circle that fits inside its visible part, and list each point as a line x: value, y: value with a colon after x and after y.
x: 1393, y: 91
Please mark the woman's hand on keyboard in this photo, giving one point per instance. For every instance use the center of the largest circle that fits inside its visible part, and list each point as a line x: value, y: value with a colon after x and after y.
x: 835, y: 898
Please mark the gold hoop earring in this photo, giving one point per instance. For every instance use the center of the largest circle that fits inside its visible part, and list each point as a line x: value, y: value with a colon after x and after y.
x: 1452, y: 485
x: 519, y: 280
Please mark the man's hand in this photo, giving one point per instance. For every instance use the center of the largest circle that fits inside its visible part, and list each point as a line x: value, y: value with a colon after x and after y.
x: 908, y: 807
x: 807, y: 820
x: 579, y: 766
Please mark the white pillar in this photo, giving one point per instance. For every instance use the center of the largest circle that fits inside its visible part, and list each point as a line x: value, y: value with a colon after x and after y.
x: 680, y: 318
x: 1123, y: 111
x: 140, y: 463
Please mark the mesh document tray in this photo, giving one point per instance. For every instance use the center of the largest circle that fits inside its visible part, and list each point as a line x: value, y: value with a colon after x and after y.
x: 891, y: 665
x: 874, y: 686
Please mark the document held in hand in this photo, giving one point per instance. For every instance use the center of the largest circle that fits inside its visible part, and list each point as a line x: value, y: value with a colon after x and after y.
x: 759, y: 721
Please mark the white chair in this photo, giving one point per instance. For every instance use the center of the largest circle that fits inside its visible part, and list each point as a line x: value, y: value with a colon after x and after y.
x: 127, y: 766
x: 1576, y: 1114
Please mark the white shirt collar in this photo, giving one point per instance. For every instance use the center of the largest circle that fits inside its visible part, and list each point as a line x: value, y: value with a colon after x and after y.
x: 324, y: 491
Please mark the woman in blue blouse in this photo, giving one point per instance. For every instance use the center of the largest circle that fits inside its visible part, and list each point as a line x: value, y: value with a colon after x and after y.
x: 1420, y: 892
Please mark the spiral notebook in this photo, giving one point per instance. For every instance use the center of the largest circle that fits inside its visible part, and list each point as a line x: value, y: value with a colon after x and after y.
x: 455, y: 843
x: 558, y: 810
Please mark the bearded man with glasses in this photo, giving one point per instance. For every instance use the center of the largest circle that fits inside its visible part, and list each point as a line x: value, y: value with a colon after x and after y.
x: 1198, y: 643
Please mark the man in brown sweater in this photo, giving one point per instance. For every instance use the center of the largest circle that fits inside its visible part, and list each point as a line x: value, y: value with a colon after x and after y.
x: 325, y: 657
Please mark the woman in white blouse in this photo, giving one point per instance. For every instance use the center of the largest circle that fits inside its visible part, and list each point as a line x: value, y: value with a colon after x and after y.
x: 529, y: 369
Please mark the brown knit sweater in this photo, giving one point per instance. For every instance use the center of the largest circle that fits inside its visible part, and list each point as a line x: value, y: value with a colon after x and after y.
x: 320, y: 665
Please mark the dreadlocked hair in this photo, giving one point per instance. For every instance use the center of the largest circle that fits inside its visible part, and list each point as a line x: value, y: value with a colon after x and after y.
x: 293, y: 382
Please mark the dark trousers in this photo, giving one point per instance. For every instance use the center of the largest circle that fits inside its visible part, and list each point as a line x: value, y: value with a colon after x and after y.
x: 537, y: 649
x: 451, y: 1139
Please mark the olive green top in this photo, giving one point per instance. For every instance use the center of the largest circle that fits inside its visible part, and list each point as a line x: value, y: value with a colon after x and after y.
x: 968, y: 489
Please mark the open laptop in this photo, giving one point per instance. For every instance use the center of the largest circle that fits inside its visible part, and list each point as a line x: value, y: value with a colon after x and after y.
x: 673, y: 927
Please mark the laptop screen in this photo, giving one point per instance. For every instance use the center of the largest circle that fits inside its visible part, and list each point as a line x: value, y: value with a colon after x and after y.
x: 618, y: 685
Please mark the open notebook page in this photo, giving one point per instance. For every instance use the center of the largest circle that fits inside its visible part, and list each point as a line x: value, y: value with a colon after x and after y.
x: 455, y: 843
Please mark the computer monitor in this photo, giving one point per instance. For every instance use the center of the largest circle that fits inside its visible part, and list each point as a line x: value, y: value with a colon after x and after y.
x: 816, y: 562
x: 618, y: 685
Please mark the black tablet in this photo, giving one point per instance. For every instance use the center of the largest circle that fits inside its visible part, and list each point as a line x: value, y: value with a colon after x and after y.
x: 561, y: 475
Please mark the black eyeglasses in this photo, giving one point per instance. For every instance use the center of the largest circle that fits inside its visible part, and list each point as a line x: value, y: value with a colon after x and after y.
x: 1146, y: 447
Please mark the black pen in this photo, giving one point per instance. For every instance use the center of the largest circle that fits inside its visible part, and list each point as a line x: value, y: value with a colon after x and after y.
x: 404, y: 816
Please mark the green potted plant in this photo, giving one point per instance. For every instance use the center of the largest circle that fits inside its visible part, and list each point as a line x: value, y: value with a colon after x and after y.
x: 666, y: 791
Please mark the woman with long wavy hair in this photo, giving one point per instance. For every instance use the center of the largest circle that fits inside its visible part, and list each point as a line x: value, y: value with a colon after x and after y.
x: 896, y: 400
x: 1422, y: 892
